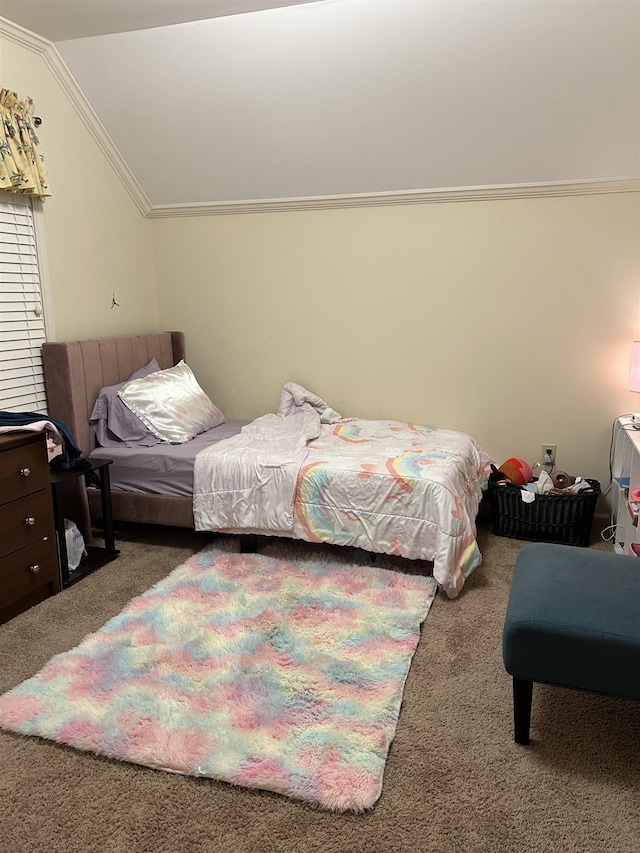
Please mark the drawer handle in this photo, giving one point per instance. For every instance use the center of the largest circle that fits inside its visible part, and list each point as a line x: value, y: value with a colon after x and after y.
x: 29, y: 521
x: 25, y: 472
x: 35, y: 568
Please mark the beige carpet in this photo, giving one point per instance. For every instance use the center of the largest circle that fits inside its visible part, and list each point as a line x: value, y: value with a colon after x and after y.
x: 454, y: 781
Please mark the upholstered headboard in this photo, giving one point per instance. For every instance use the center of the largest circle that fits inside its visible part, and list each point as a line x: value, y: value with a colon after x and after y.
x: 75, y: 371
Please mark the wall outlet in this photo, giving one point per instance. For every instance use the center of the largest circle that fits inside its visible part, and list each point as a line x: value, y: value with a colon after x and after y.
x: 551, y: 449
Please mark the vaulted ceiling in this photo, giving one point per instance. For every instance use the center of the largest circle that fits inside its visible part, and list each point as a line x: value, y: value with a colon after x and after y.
x: 61, y: 20
x: 338, y: 97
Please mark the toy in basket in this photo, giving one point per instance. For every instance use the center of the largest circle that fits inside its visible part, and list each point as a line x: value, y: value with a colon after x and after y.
x: 550, y: 508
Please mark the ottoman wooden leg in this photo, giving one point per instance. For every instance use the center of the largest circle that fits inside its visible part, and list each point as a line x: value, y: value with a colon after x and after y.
x: 522, y: 693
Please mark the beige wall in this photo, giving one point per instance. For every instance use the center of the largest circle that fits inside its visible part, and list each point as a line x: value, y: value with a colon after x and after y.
x: 97, y: 241
x: 511, y: 319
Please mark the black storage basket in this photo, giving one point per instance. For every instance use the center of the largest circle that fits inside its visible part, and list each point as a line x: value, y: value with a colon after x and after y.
x: 564, y: 519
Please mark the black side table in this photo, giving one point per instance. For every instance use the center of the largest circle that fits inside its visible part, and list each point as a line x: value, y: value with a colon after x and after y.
x: 96, y: 556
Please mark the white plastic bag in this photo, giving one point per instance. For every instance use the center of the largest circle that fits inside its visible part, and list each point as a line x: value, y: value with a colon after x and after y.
x: 75, y: 544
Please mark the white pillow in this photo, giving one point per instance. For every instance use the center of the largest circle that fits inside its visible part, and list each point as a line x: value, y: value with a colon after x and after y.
x: 171, y: 404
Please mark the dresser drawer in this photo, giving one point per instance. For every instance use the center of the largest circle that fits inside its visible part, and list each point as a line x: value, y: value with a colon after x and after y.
x: 25, y: 520
x: 18, y: 577
x: 23, y: 470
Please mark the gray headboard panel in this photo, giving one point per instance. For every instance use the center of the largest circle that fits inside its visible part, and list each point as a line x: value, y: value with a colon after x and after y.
x: 75, y: 371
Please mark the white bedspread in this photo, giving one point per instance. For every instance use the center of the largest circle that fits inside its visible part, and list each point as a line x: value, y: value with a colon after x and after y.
x: 249, y: 481
x: 384, y: 486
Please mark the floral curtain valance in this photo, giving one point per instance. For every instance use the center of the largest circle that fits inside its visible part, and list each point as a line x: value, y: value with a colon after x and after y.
x: 21, y: 162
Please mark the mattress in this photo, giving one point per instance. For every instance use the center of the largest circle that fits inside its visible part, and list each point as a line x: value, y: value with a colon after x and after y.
x: 163, y: 469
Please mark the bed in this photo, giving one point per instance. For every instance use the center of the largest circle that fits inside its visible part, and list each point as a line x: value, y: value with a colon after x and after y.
x: 384, y: 486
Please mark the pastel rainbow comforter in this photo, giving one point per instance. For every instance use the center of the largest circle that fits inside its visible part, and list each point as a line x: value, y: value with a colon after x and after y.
x: 384, y: 486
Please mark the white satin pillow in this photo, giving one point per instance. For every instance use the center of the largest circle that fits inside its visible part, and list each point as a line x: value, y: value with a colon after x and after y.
x: 171, y: 404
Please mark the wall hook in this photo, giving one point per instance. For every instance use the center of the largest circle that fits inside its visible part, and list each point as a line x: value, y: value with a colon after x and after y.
x: 114, y: 304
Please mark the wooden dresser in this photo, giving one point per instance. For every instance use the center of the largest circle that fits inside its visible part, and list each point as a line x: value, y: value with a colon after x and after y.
x: 28, y: 553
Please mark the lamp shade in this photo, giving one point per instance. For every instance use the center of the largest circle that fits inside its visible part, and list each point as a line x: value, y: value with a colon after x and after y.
x: 634, y: 378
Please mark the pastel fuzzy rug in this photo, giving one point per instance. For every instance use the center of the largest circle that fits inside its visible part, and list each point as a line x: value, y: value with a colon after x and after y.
x: 285, y: 675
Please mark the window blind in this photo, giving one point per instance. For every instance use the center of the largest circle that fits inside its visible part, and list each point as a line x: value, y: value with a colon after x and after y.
x: 22, y: 327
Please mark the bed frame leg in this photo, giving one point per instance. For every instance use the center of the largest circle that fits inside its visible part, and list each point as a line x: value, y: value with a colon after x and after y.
x: 248, y: 543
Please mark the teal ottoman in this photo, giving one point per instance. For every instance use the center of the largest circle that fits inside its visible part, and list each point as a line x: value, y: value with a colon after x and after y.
x: 573, y: 620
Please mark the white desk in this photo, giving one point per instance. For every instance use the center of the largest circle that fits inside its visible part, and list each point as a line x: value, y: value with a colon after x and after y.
x: 626, y: 478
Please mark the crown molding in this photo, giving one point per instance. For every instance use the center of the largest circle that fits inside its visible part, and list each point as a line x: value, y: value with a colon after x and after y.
x: 57, y: 66
x: 69, y: 85
x: 97, y: 130
x: 436, y: 196
x: 25, y: 38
